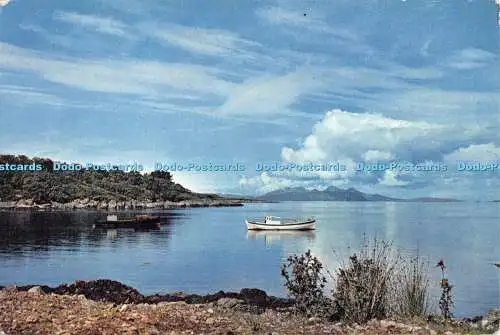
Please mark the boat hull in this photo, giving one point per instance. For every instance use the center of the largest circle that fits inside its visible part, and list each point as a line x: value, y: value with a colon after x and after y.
x: 307, y: 225
x: 152, y: 223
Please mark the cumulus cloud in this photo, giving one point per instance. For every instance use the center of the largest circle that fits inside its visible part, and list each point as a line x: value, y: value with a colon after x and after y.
x: 352, y: 137
x: 265, y: 182
x: 4, y: 3
x: 271, y: 181
x: 475, y: 152
x: 344, y: 135
x: 376, y: 155
x: 390, y: 179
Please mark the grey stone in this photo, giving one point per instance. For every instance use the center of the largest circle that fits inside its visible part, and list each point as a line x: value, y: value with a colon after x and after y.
x: 36, y: 289
x: 229, y: 302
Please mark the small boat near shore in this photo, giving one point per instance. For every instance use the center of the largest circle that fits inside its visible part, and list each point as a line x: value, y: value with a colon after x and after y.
x: 137, y: 222
x: 277, y: 223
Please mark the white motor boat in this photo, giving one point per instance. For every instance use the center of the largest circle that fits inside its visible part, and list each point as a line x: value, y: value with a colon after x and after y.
x: 277, y: 223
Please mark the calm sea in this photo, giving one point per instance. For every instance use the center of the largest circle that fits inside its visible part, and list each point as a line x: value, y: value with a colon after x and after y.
x: 204, y: 250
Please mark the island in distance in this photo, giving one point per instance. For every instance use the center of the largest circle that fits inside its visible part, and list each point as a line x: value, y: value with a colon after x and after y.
x: 333, y: 193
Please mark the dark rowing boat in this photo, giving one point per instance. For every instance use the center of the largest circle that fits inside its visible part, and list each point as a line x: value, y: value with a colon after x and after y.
x: 137, y: 222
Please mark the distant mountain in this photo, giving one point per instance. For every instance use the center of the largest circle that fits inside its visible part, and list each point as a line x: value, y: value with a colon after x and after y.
x: 333, y: 193
x: 241, y: 198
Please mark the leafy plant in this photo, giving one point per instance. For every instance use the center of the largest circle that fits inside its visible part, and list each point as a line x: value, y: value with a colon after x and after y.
x: 305, y: 283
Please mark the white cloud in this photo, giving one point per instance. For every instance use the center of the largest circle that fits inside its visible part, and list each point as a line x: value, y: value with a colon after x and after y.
x: 470, y: 58
x: 76, y: 150
x: 203, y: 182
x: 418, y: 103
x: 297, y: 19
x: 32, y: 27
x: 201, y: 40
x: 129, y: 77
x: 414, y: 73
x: 390, y: 179
x: 350, y: 137
x: 103, y: 25
x: 4, y: 3
x: 269, y: 94
x: 375, y: 155
x: 343, y: 135
x: 475, y: 152
x: 21, y: 95
x: 265, y: 182
x: 425, y: 48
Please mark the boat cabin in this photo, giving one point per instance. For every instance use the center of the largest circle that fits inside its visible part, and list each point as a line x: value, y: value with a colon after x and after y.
x: 272, y: 220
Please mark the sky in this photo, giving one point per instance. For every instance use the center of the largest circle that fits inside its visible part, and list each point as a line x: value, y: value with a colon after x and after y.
x: 263, y: 81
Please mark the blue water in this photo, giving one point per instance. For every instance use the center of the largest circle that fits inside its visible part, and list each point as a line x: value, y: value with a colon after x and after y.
x: 204, y: 250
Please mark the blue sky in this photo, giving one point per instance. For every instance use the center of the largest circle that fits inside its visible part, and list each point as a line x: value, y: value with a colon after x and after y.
x: 257, y: 81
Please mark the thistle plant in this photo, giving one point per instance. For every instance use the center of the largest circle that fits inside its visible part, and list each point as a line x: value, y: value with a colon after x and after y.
x: 446, y: 300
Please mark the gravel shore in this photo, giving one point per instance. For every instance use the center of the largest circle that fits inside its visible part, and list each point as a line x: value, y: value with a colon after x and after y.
x: 35, y: 312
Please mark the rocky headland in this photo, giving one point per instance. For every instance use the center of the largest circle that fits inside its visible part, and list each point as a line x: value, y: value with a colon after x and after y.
x: 118, y: 205
x: 47, y: 188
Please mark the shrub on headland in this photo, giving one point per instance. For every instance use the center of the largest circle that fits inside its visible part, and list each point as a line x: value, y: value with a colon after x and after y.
x: 375, y: 283
x: 46, y: 185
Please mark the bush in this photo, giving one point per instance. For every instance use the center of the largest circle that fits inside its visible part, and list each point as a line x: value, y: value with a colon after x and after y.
x: 362, y: 285
x: 305, y: 283
x: 375, y: 283
x: 410, y: 289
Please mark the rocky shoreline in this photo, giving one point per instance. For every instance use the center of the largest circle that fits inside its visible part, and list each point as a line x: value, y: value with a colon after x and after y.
x: 109, y: 307
x: 119, y: 205
x: 111, y: 291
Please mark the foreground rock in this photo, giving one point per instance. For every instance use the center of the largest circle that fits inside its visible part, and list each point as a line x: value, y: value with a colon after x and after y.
x: 115, y: 292
x: 120, y: 205
x: 39, y: 313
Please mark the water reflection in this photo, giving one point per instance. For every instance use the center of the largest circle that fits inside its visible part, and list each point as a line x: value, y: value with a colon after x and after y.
x: 111, y: 234
x: 25, y: 233
x: 200, y: 250
x: 270, y: 236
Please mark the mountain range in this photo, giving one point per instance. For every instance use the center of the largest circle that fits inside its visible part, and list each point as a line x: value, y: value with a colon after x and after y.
x: 333, y: 193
